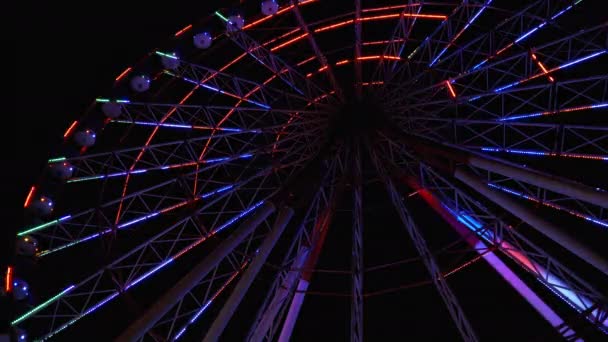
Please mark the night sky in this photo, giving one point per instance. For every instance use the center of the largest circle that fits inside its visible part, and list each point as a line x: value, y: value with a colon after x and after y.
x: 62, y: 56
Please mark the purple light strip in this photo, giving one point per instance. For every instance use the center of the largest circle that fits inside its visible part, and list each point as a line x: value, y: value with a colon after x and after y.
x: 559, y: 287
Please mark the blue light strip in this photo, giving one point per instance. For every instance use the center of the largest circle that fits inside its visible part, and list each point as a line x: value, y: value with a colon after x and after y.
x: 545, y: 153
x: 217, y: 90
x: 461, y: 31
x: 575, y: 301
x: 143, y: 218
x: 563, y: 66
x: 166, y: 167
x: 550, y: 205
x: 184, y: 126
x: 528, y: 33
x: 558, y: 287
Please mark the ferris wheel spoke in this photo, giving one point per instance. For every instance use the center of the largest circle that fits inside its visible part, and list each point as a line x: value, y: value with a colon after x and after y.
x: 74, y: 229
x: 492, y: 230
x: 217, y: 82
x: 173, y: 155
x: 527, y: 139
x: 357, y: 264
x: 506, y: 74
x: 577, y: 96
x: 139, y: 270
x: 509, y: 33
x: 198, y: 274
x: 318, y: 53
x: 563, y: 282
x: 303, y: 250
x: 515, y: 172
x: 397, y: 42
x: 292, y: 78
x: 357, y: 60
x: 140, y: 263
x: 466, y: 331
x: 424, y: 55
x: 200, y: 117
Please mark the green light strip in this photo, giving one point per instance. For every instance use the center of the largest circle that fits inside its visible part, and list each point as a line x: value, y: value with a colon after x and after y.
x: 221, y: 16
x: 42, y: 226
x: 102, y: 100
x: 42, y: 306
x: 58, y: 159
x: 165, y: 54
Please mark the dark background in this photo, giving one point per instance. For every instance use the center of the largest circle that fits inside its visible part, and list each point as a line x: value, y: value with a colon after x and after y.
x: 61, y: 56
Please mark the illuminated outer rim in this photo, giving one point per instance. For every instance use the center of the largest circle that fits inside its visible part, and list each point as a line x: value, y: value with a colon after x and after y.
x: 452, y: 88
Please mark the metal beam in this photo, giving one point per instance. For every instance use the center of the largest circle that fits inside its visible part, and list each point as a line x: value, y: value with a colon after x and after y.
x: 498, y: 265
x: 315, y: 47
x: 456, y: 312
x: 145, y: 322
x: 357, y: 266
x: 529, y: 216
x: 243, y: 285
x: 358, y: 70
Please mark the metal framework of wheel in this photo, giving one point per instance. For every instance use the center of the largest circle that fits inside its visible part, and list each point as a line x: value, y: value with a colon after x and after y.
x: 212, y: 172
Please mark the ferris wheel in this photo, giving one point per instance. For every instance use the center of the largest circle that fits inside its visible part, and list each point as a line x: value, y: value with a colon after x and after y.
x: 206, y: 182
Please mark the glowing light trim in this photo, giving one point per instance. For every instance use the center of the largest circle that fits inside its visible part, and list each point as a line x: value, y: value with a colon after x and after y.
x: 194, y: 127
x: 70, y: 129
x: 199, y: 312
x: 30, y: 195
x: 123, y: 74
x: 544, y: 153
x: 43, y: 225
x: 182, y: 31
x: 139, y: 219
x: 554, y: 112
x: 548, y: 204
x: 563, y: 66
x: 217, y: 90
x: 559, y: 288
x: 453, y: 40
x: 451, y: 89
x: 42, y: 306
x: 8, y: 281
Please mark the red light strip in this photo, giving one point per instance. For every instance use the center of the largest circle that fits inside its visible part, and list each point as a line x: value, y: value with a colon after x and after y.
x: 542, y: 67
x: 279, y: 12
x: 30, y: 195
x: 451, y: 89
x: 8, y: 285
x: 291, y: 41
x: 388, y: 8
x: 70, y: 129
x: 342, y: 62
x: 333, y: 26
x: 372, y: 83
x: 306, y: 61
x: 406, y: 15
x: 183, y: 30
x: 362, y: 58
x: 382, y: 42
x: 123, y: 74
